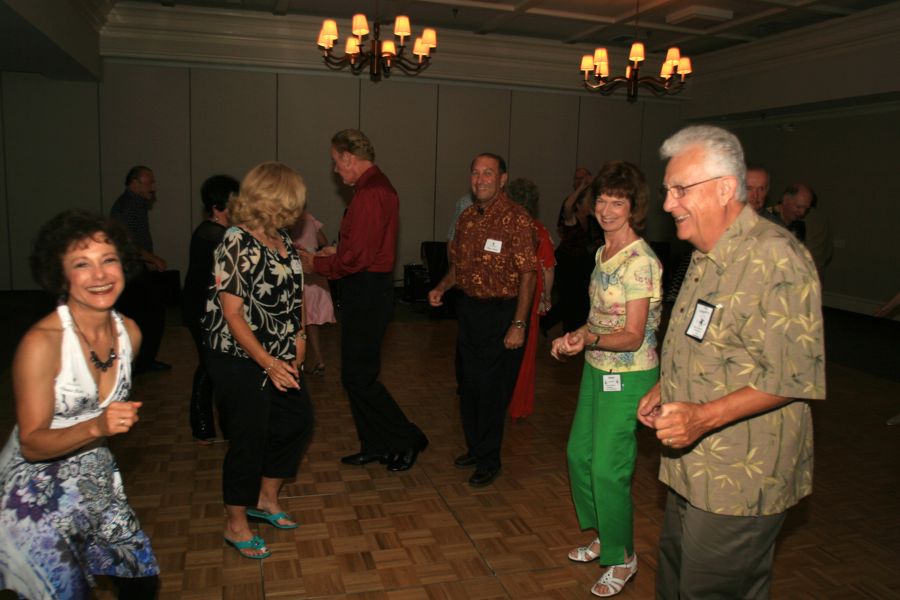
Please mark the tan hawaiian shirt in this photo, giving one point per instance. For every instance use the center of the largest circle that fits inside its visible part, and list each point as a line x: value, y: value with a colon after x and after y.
x: 765, y: 331
x: 492, y: 247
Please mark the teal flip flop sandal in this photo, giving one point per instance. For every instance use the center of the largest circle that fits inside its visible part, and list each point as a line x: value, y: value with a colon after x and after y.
x: 254, y: 543
x: 261, y: 515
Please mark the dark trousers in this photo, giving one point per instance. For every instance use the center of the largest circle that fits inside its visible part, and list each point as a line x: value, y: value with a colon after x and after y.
x: 268, y: 430
x: 202, y: 392
x: 368, y: 301
x: 144, y: 300
x: 705, y: 556
x: 487, y: 374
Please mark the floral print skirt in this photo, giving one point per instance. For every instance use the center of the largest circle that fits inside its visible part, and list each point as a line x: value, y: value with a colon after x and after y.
x: 64, y: 521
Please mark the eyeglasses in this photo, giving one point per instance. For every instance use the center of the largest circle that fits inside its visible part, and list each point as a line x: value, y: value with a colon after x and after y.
x: 678, y: 191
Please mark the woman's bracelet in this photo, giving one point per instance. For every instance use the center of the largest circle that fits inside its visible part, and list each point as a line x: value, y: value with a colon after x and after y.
x: 595, y: 344
x: 269, y: 368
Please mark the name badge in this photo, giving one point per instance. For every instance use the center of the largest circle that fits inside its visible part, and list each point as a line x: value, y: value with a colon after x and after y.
x: 703, y: 313
x: 296, y: 267
x: 612, y: 383
x: 493, y: 246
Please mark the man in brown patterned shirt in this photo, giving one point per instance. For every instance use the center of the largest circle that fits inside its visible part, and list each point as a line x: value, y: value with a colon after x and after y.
x: 744, y: 349
x: 492, y: 260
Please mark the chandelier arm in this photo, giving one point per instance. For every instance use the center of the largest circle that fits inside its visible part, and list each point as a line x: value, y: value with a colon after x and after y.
x: 408, y: 66
x: 606, y: 87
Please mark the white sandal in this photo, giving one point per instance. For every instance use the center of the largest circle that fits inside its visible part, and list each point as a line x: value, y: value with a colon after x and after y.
x: 613, y: 584
x: 584, y: 553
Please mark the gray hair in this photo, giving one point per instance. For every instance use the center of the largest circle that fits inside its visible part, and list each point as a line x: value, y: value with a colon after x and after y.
x: 724, y: 155
x: 355, y: 142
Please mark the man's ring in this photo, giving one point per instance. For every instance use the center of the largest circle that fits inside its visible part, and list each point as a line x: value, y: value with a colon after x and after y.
x: 668, y: 441
x: 122, y: 422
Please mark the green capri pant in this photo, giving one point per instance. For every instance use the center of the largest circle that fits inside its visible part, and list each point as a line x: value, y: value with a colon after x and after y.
x: 601, y: 452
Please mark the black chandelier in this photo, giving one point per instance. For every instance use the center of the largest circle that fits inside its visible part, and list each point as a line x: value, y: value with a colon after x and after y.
x: 381, y: 55
x: 672, y: 76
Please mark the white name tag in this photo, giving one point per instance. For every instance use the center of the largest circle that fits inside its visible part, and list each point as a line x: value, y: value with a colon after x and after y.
x: 493, y: 246
x: 612, y: 383
x: 703, y: 313
x: 296, y: 267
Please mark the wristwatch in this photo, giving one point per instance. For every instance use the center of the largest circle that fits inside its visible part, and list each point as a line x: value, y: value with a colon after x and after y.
x: 519, y: 324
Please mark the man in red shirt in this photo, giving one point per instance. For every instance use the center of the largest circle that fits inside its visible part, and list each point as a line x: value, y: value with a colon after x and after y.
x: 493, y: 262
x: 364, y: 262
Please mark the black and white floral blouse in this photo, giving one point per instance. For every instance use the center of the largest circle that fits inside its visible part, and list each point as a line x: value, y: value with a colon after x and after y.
x: 270, y: 286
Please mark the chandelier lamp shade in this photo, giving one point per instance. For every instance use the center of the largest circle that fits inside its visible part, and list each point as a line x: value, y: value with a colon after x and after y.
x: 380, y: 56
x: 671, y: 80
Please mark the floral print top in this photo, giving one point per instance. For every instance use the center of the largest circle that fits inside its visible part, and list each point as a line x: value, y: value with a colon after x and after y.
x: 492, y: 247
x: 270, y: 286
x: 633, y: 273
x: 765, y: 332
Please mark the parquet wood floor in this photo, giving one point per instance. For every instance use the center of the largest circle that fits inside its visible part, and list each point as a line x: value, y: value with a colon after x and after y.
x: 369, y: 534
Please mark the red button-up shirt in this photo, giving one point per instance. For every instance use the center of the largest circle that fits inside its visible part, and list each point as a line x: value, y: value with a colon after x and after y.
x: 368, y: 236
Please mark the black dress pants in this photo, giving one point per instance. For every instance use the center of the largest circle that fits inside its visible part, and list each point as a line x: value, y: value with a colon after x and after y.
x: 487, y: 374
x: 367, y: 304
x: 268, y: 430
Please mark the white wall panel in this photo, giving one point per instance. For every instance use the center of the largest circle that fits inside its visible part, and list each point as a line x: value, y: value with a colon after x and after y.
x: 401, y: 121
x: 609, y: 129
x: 52, y: 158
x: 233, y: 124
x: 470, y: 120
x: 543, y: 145
x: 145, y: 120
x: 5, y: 266
x: 310, y: 111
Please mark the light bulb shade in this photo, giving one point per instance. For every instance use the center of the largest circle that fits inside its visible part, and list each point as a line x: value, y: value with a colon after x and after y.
x: 684, y: 65
x: 360, y: 25
x: 325, y: 43
x: 401, y: 26
x: 603, y: 69
x: 673, y: 55
x: 587, y: 63
x: 666, y: 70
x: 420, y: 49
x: 352, y: 46
x: 637, y: 52
x: 388, y: 49
x: 429, y: 38
x: 600, y: 56
x: 329, y: 30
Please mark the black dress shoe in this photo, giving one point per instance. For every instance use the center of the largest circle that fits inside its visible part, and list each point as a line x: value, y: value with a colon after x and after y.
x: 403, y: 461
x: 364, y: 458
x: 483, y: 477
x: 465, y: 461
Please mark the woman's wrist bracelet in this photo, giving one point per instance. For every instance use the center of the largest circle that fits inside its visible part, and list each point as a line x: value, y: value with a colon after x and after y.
x: 595, y: 344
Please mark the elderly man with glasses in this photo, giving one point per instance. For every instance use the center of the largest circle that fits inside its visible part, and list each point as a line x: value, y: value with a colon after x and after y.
x: 743, y: 352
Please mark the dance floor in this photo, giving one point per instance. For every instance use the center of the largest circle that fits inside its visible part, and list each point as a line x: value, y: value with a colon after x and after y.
x: 369, y: 534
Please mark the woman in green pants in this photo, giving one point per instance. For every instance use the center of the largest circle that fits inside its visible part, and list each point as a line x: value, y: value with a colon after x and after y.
x: 621, y: 364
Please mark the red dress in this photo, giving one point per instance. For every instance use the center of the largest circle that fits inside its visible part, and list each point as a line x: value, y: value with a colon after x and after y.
x: 522, y: 403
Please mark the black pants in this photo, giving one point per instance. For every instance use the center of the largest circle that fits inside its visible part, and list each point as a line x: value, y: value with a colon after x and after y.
x: 487, y: 374
x: 144, y: 300
x: 202, y: 392
x: 268, y: 430
x: 368, y: 301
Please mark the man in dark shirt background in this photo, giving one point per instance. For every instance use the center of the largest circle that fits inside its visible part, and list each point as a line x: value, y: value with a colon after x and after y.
x: 364, y: 263
x: 144, y: 298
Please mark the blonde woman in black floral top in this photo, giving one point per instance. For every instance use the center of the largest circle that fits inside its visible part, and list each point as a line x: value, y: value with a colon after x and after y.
x: 255, y: 345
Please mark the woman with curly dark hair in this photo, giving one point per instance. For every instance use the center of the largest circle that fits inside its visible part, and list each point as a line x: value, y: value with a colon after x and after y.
x: 63, y: 511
